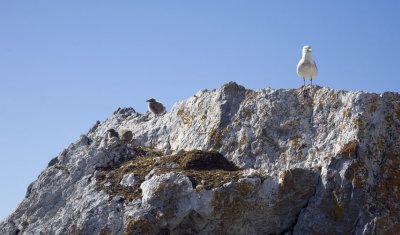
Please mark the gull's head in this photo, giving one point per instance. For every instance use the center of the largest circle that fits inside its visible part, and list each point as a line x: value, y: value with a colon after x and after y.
x: 307, y: 49
x: 151, y: 100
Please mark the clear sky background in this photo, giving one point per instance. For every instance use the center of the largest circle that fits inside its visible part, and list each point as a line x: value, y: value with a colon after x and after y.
x: 66, y: 64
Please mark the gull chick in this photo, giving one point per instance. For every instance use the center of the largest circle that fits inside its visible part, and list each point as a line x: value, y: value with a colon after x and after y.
x: 112, y: 133
x: 307, y: 68
x: 155, y: 107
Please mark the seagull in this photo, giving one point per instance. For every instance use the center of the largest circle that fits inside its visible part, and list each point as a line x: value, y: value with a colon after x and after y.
x: 307, y: 68
x: 155, y: 107
x: 112, y: 133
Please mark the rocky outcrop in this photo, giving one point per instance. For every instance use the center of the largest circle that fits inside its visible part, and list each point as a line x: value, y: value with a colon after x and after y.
x: 228, y: 161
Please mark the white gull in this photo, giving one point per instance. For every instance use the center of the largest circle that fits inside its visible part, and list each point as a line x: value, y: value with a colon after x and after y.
x: 307, y: 68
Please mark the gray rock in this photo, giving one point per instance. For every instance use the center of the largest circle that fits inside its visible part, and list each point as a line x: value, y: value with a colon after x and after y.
x: 53, y: 162
x: 94, y: 127
x: 312, y: 161
x: 128, y: 180
x: 124, y: 112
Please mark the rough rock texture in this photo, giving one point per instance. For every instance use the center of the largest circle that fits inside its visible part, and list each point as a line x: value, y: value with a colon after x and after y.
x: 303, y: 161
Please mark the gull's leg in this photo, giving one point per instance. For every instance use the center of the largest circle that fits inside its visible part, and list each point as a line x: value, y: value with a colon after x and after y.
x: 311, y: 81
x: 304, y: 81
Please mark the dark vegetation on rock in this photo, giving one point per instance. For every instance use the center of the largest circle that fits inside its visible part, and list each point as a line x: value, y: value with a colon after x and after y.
x: 202, y: 161
x: 211, y: 168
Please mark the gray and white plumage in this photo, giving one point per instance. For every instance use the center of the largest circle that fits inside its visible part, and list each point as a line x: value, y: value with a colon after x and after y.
x: 155, y: 107
x: 112, y: 133
x: 125, y: 135
x: 307, y: 68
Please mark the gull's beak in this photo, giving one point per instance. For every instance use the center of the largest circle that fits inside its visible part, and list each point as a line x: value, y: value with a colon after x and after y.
x: 309, y: 49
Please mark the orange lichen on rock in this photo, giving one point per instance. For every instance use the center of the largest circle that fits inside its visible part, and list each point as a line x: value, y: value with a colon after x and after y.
x: 245, y: 188
x: 349, y: 149
x: 397, y: 111
x: 186, y: 117
x: 338, y: 212
x: 139, y: 226
x: 357, y: 173
x: 385, y: 225
x: 215, y: 137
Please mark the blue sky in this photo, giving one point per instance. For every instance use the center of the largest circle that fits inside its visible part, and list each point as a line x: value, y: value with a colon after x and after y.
x: 66, y: 64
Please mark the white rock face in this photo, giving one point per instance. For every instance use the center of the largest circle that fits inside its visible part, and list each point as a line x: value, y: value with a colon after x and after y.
x: 313, y: 160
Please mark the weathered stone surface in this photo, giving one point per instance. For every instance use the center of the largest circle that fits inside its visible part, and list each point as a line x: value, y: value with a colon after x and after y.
x: 308, y: 161
x: 128, y: 180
